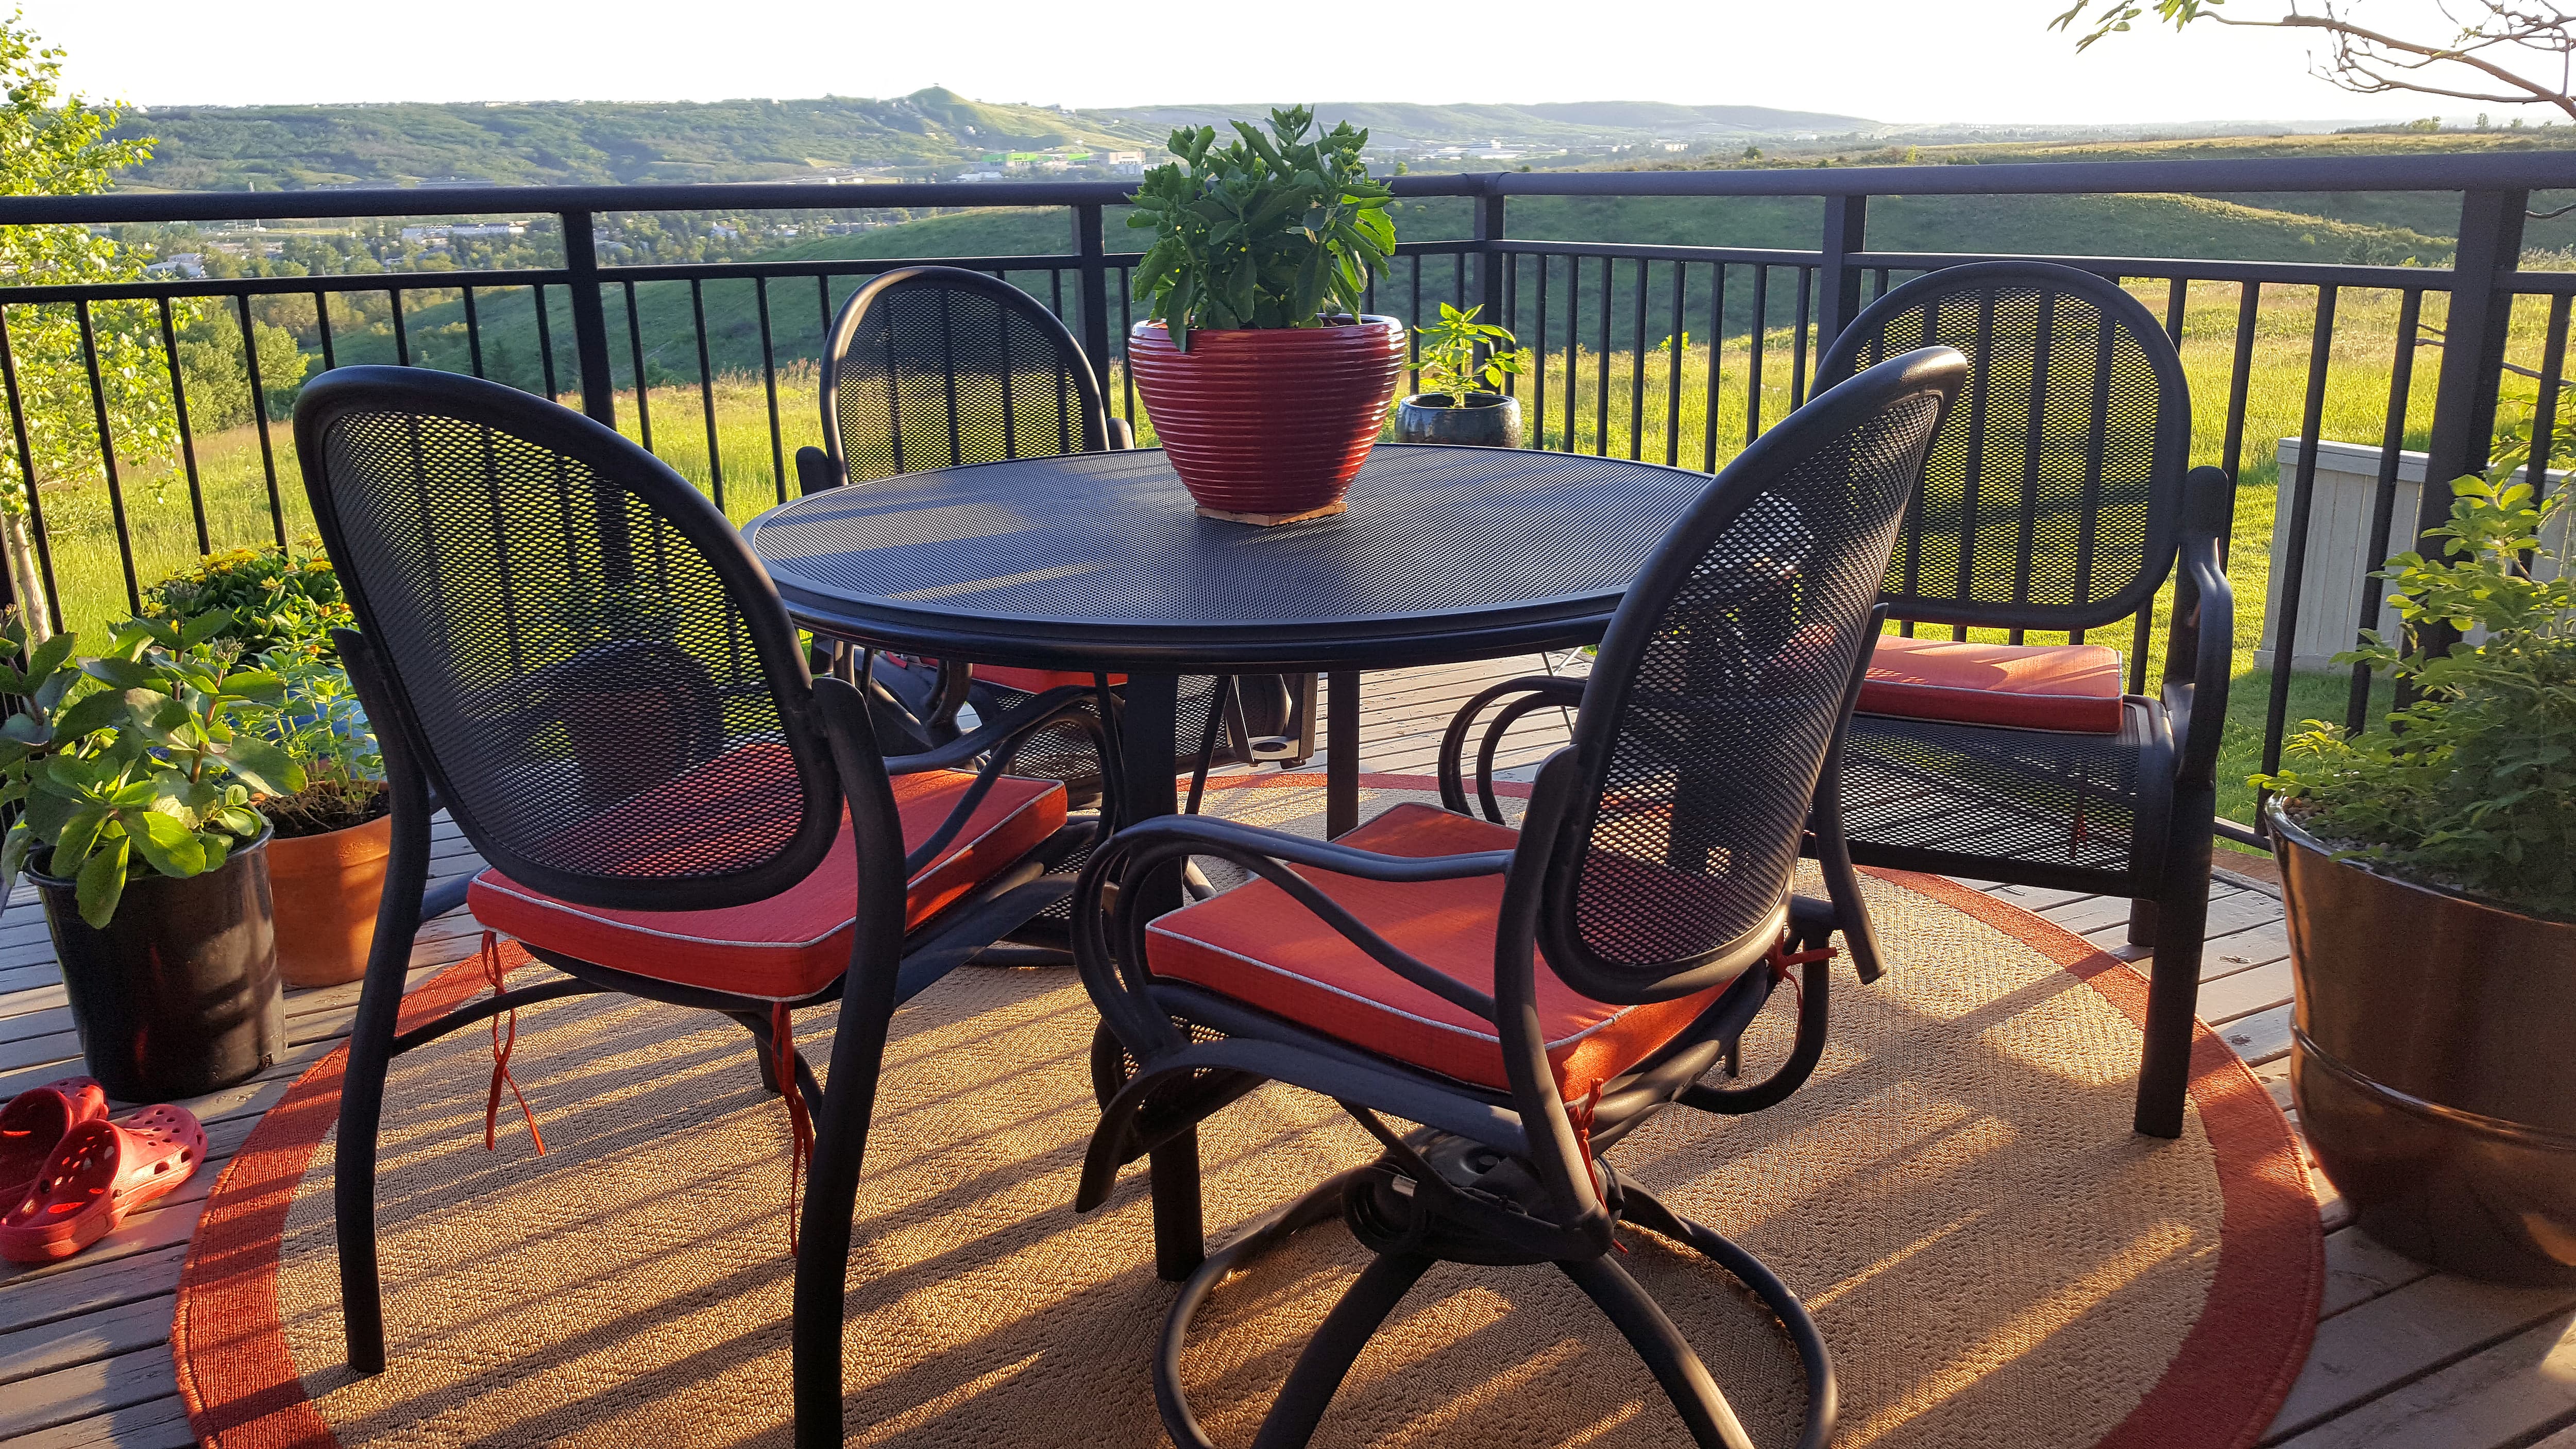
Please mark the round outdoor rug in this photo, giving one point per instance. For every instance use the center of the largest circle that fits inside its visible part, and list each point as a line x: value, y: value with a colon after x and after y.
x: 1995, y: 1258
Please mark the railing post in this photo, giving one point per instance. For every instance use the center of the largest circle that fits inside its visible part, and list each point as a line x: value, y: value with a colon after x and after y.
x: 589, y: 319
x: 1489, y: 263
x: 1094, y: 249
x: 2473, y: 341
x: 1846, y: 223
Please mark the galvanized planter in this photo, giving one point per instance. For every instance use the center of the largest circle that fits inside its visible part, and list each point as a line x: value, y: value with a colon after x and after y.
x: 2433, y: 1060
x: 1489, y: 420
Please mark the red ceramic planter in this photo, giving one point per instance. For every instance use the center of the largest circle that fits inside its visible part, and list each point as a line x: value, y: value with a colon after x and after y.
x: 1269, y: 424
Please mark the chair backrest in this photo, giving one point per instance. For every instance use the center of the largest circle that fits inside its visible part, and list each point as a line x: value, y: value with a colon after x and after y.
x: 2053, y: 497
x: 585, y: 658
x: 1719, y: 686
x: 931, y: 367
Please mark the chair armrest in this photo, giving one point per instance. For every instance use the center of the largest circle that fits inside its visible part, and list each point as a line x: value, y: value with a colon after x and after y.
x: 995, y: 743
x: 2204, y: 632
x: 1233, y: 840
x: 814, y: 472
x: 1121, y: 437
x: 1539, y: 691
x: 1036, y: 710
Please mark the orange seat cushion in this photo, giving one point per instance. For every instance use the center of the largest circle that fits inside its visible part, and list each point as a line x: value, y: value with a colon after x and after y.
x: 2070, y: 687
x: 1037, y: 681
x: 1257, y: 945
x: 797, y: 942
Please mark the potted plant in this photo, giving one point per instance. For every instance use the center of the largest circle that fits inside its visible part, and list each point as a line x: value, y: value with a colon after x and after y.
x: 2429, y: 876
x: 1453, y: 408
x: 332, y: 838
x: 132, y: 792
x: 1264, y: 382
x: 275, y: 595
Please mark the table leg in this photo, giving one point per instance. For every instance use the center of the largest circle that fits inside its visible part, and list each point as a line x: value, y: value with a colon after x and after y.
x: 1342, y: 754
x: 1148, y: 743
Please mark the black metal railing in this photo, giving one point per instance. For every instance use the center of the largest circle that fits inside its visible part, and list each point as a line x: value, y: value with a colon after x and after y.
x: 1682, y: 353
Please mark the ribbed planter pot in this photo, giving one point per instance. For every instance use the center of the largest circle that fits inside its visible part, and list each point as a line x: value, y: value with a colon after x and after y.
x: 331, y: 885
x: 1269, y: 425
x: 1489, y: 420
x: 178, y: 996
x: 2433, y: 1059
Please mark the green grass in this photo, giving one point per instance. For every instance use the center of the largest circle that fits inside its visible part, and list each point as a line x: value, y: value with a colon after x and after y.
x: 91, y: 580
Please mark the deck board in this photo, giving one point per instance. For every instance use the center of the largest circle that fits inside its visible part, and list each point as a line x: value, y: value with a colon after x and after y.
x: 2404, y: 1354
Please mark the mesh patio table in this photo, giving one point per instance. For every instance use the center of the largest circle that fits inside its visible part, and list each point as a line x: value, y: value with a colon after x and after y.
x: 1095, y: 562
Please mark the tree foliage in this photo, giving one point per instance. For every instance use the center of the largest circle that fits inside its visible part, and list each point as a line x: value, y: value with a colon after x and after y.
x: 54, y: 143
x: 2507, y: 52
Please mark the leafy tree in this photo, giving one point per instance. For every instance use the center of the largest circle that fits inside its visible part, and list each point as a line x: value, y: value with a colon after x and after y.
x: 218, y: 382
x: 54, y: 143
x: 2501, y: 51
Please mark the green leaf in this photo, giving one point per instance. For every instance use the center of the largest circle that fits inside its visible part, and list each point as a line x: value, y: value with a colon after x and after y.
x: 101, y: 883
x: 205, y: 626
x: 78, y: 837
x: 25, y: 730
x: 264, y: 767
x: 89, y: 714
x: 241, y: 822
x: 49, y: 656
x: 167, y: 845
x: 122, y: 673
x: 254, y: 684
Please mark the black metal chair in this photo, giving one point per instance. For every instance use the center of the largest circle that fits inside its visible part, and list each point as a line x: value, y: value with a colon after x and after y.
x: 2057, y: 499
x: 1395, y: 969
x: 575, y: 650
x: 933, y: 367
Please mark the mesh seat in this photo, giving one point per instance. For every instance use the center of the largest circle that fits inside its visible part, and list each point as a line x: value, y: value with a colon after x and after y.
x: 1530, y: 997
x: 2056, y: 499
x: 577, y: 652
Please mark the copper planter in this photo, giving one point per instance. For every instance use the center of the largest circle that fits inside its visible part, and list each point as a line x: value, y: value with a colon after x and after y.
x: 328, y: 887
x: 2433, y: 1059
x: 1269, y: 425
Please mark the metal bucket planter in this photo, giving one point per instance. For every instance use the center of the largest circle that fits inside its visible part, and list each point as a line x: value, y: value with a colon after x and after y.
x: 1269, y: 425
x: 1489, y: 420
x: 2434, y: 1064
x: 178, y: 996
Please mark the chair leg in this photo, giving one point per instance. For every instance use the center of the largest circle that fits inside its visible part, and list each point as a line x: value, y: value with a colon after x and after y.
x: 1336, y: 1346
x: 2173, y: 983
x: 1180, y: 1240
x: 1686, y: 1380
x: 1823, y: 1399
x: 353, y: 1167
x: 2142, y: 921
x: 831, y: 1197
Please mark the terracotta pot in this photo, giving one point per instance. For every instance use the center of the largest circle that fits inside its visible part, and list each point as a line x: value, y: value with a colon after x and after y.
x: 2433, y: 1059
x: 1268, y: 425
x: 328, y: 887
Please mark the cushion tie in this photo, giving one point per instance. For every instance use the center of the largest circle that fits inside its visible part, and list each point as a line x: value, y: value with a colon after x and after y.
x: 800, y: 1123
x: 1782, y: 960
x: 501, y: 1049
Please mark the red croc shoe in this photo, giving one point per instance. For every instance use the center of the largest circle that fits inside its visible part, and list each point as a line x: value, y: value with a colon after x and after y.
x: 35, y: 1123
x: 101, y: 1171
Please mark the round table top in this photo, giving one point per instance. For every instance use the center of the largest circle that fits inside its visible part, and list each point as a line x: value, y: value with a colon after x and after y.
x: 1097, y: 561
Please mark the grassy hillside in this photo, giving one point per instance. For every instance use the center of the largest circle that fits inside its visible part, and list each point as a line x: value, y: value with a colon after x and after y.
x: 271, y: 147
x: 2431, y: 213
x: 1567, y: 124
x: 2119, y: 225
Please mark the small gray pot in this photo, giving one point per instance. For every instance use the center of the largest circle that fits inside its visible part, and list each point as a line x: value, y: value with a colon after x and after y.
x: 1489, y: 420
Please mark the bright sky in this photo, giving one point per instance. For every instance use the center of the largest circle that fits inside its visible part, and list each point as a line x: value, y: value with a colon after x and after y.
x: 1892, y: 60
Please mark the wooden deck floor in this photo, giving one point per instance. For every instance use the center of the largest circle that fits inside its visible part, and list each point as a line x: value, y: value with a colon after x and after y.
x: 2404, y: 1356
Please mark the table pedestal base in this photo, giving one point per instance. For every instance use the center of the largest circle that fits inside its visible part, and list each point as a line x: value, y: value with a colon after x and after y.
x: 1268, y: 520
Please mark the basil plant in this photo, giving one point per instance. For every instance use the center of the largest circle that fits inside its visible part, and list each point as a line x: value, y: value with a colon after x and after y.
x: 1274, y: 230
x: 128, y: 763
